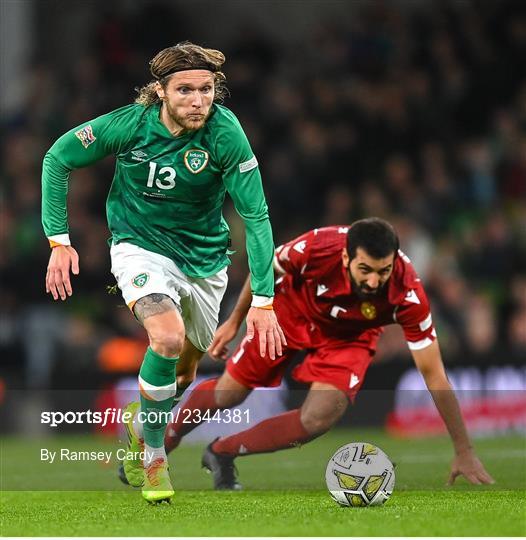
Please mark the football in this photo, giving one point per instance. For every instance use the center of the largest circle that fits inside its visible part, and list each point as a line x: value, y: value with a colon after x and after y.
x: 360, y: 474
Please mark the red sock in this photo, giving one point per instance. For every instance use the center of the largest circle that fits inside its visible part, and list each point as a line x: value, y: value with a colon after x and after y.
x: 201, y: 398
x: 276, y: 433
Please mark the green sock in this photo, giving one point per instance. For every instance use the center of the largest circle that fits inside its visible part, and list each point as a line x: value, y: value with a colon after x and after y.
x: 158, y: 388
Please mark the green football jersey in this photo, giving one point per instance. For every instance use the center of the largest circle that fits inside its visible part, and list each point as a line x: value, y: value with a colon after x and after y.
x: 167, y: 192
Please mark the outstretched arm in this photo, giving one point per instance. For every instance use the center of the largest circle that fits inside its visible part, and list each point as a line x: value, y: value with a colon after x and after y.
x: 80, y: 147
x: 429, y: 363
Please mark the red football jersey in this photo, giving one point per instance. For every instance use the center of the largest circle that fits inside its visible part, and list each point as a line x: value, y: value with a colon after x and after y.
x: 316, y: 306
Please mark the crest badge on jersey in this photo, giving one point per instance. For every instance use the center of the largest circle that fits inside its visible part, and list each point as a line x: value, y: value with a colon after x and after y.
x: 140, y: 280
x: 368, y: 310
x: 85, y: 135
x: 195, y: 160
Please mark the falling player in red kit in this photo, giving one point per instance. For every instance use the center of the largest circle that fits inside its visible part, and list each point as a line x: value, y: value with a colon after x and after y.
x: 336, y: 288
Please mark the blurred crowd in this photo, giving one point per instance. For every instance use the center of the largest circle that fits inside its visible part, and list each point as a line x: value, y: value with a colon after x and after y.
x: 417, y: 116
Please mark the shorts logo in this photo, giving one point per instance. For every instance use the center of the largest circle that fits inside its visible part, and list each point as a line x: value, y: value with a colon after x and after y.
x: 195, y: 160
x: 368, y: 310
x: 85, y: 135
x: 140, y: 280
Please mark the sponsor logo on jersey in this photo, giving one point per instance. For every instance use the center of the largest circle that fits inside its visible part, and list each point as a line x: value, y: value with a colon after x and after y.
x: 138, y: 155
x: 300, y: 246
x: 85, y: 135
x: 412, y: 297
x: 368, y: 310
x: 354, y: 380
x: 321, y: 289
x: 140, y: 280
x: 246, y: 166
x: 195, y: 160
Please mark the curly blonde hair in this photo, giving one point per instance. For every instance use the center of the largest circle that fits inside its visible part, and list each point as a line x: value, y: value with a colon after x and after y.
x: 184, y: 55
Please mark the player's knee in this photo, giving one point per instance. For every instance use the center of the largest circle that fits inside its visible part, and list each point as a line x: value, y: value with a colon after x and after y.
x: 317, y: 421
x: 323, y: 407
x: 166, y: 343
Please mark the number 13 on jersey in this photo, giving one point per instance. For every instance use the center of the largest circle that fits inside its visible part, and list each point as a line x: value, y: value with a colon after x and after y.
x: 165, y: 178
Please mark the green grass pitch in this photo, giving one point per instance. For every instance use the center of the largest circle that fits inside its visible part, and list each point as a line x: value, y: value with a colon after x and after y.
x: 284, y: 493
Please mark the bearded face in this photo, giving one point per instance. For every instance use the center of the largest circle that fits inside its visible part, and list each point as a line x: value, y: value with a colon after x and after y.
x: 187, y: 100
x: 368, y: 275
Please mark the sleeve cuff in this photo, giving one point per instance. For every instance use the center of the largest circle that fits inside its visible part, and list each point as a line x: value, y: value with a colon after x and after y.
x: 423, y: 343
x: 261, y: 301
x: 59, y: 240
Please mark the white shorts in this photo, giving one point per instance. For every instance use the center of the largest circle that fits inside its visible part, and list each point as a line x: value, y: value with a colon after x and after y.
x: 140, y: 272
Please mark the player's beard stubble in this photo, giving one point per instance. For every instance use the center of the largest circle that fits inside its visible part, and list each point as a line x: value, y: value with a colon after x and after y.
x: 362, y: 290
x: 189, y: 121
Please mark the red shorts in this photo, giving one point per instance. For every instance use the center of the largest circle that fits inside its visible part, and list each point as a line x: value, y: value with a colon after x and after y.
x: 343, y: 367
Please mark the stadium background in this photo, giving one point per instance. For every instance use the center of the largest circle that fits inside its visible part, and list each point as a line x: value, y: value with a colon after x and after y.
x: 411, y: 111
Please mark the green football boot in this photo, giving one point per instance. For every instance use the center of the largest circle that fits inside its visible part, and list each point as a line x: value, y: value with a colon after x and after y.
x: 132, y: 463
x: 157, y: 485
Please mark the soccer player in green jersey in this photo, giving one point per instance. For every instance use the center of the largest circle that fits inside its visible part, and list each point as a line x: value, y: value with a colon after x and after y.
x: 177, y: 154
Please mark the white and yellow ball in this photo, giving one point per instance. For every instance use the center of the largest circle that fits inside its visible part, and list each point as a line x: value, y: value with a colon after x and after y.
x: 360, y: 474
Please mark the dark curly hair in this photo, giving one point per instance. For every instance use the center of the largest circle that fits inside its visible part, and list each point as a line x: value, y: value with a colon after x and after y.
x: 374, y: 235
